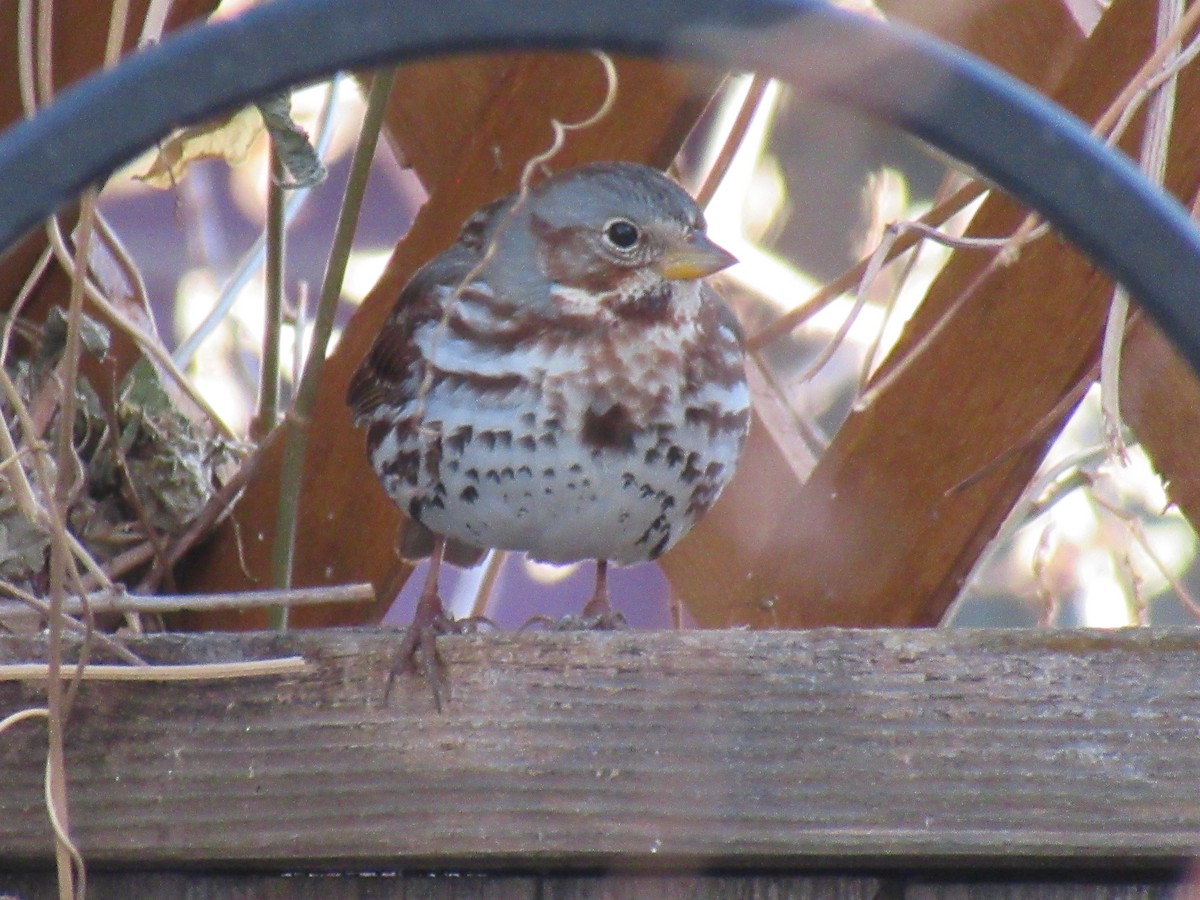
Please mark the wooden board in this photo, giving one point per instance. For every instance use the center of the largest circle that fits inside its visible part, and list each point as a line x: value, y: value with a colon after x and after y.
x: 883, y: 531
x: 472, y: 886
x: 773, y: 551
x: 616, y: 752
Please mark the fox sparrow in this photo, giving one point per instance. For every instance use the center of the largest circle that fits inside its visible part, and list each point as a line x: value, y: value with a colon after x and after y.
x: 561, y: 381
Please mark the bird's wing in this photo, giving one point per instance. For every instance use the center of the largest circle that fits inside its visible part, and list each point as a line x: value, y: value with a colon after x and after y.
x: 392, y: 369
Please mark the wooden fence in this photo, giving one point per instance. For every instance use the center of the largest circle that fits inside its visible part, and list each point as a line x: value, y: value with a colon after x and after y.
x: 828, y: 763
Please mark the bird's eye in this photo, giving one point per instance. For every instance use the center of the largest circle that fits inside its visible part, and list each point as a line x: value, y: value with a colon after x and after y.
x: 622, y: 234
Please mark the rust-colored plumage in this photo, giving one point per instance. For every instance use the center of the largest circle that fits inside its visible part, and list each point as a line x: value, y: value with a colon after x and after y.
x: 560, y: 381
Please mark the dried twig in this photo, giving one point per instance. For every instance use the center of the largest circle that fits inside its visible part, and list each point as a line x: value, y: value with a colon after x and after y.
x: 120, y: 602
x: 1137, y: 530
x: 1153, y: 161
x: 147, y: 343
x: 755, y: 92
x: 287, y: 665
x: 253, y: 258
x: 797, y: 316
x: 60, y: 557
x: 882, y: 254
x: 1024, y: 233
x: 267, y: 415
x: 29, y: 605
x: 14, y: 311
x: 297, y: 421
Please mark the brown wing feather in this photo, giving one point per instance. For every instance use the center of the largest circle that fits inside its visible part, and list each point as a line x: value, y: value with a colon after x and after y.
x: 387, y: 372
x: 391, y: 367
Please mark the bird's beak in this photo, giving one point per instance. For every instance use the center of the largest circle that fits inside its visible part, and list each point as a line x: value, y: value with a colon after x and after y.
x: 695, y: 258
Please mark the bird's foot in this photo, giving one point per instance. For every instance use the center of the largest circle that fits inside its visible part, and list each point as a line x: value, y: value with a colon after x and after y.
x: 591, y: 619
x: 418, y: 651
x: 599, y: 615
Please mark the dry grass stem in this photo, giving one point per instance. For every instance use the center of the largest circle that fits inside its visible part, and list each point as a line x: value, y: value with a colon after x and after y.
x: 561, y: 129
x: 870, y: 273
x: 23, y: 715
x: 29, y: 605
x: 58, y: 503
x: 72, y: 871
x: 1039, y: 432
x: 1137, y: 531
x: 266, y: 415
x: 797, y: 316
x: 947, y: 186
x: 44, y: 53
x: 18, y: 304
x: 26, y: 67
x: 117, y: 21
x: 252, y: 260
x: 154, y: 22
x: 1138, y: 87
x: 122, y: 563
x: 885, y: 252
x: 1003, y: 257
x: 117, y: 601
x: 129, y: 268
x: 755, y: 92
x: 1047, y: 597
x: 1038, y: 497
x: 296, y: 422
x: 40, y: 672
x: 15, y: 476
x: 1127, y: 99
x: 76, y: 860
x: 1153, y: 161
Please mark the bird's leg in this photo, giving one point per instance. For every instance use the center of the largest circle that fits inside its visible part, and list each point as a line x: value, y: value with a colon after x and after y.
x: 599, y: 612
x: 599, y: 606
x: 418, y: 651
x: 598, y: 615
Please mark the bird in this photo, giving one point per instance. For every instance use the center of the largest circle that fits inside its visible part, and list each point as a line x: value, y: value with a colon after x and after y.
x: 562, y: 380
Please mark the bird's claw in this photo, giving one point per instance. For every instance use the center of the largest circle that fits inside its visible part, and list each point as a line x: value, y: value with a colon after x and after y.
x: 418, y: 651
x: 609, y: 620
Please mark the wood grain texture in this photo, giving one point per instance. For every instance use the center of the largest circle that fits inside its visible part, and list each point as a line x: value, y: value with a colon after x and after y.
x: 881, y: 532
x: 1160, y: 400
x: 348, y: 528
x: 674, y: 750
x: 783, y: 553
x: 473, y: 886
x: 458, y: 886
x: 1033, y: 40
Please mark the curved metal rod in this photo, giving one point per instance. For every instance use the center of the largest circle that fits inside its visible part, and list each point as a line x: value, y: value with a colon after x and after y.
x: 1025, y: 144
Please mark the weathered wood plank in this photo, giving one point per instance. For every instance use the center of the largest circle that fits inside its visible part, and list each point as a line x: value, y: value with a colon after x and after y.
x: 612, y: 751
x: 883, y: 531
x: 770, y: 552
x: 467, y: 886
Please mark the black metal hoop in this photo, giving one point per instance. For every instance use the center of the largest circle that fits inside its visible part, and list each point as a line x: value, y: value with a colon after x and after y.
x: 1025, y: 144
